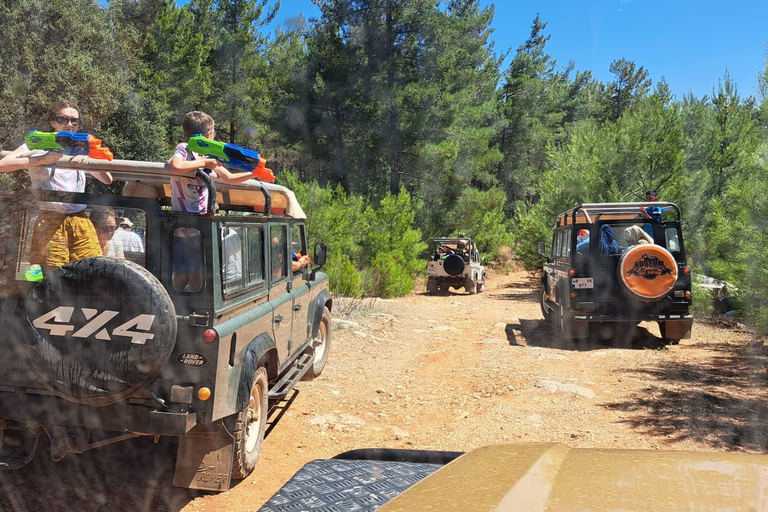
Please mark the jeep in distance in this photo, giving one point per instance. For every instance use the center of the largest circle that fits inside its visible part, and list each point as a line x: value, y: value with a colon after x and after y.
x: 455, y: 263
x: 104, y: 349
x: 617, y: 264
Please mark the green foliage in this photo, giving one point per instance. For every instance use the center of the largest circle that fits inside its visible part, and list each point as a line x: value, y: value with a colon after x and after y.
x: 392, y: 247
x: 479, y: 214
x: 71, y: 49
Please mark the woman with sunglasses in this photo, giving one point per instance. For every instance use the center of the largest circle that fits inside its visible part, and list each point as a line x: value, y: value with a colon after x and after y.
x: 63, y: 233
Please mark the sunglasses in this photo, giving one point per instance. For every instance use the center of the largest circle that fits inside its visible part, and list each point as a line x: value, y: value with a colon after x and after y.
x: 108, y: 229
x: 64, y: 120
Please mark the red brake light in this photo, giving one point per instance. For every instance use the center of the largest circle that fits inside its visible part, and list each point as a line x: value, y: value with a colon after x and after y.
x: 572, y: 272
x: 209, y: 336
x: 686, y: 270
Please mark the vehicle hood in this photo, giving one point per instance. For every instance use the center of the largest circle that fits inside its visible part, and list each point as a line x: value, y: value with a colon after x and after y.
x: 552, y: 477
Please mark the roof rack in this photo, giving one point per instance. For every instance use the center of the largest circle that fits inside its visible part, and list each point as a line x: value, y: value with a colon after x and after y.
x: 591, y: 213
x: 153, y: 180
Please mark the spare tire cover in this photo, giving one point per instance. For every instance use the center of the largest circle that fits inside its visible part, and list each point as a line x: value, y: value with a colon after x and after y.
x: 453, y: 265
x: 99, y: 329
x: 647, y: 271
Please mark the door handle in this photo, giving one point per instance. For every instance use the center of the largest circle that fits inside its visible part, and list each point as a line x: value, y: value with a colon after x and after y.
x: 278, y: 319
x: 297, y: 307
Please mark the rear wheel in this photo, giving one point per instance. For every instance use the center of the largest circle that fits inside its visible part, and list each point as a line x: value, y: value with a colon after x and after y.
x: 322, y: 346
x: 250, y: 424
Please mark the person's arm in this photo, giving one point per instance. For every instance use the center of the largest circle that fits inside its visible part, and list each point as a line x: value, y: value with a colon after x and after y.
x: 21, y: 158
x: 231, y: 178
x: 181, y: 166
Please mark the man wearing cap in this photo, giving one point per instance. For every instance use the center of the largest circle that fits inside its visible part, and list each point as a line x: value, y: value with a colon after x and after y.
x: 131, y: 241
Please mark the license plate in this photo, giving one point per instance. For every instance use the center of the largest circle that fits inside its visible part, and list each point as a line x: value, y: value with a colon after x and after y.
x: 581, y: 283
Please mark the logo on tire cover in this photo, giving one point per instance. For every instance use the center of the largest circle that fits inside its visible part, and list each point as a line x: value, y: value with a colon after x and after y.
x: 649, y: 267
x: 56, y: 321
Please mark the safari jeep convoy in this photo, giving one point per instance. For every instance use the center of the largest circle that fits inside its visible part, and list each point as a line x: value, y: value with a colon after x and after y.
x: 104, y: 349
x: 614, y: 265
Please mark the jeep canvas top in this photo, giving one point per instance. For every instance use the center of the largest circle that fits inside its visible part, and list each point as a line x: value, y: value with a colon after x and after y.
x: 107, y: 348
x: 614, y: 263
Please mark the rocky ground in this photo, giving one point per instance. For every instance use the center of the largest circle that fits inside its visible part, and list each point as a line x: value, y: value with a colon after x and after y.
x: 452, y: 373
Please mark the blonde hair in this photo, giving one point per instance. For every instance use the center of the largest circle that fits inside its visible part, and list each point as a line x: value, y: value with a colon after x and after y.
x: 197, y: 122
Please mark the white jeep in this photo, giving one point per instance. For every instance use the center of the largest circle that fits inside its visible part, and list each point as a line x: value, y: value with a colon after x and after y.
x: 455, y: 263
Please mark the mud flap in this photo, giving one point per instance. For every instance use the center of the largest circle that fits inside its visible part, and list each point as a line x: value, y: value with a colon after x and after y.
x: 204, y: 459
x: 17, y: 446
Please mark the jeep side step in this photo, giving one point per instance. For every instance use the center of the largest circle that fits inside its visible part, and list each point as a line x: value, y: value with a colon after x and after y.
x: 283, y: 386
x: 21, y: 443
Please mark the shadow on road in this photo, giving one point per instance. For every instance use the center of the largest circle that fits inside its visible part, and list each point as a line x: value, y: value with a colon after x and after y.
x: 720, y: 402
x: 134, y: 475
x: 526, y: 291
x: 542, y: 333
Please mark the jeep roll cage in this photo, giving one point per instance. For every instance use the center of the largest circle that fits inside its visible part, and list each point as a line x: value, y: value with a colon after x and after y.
x: 592, y: 213
x: 153, y: 180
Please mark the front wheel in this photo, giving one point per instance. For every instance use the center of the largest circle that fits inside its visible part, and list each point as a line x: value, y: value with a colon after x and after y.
x: 545, y: 311
x: 250, y: 424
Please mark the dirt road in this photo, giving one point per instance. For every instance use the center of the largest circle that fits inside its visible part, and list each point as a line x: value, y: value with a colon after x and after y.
x: 451, y: 373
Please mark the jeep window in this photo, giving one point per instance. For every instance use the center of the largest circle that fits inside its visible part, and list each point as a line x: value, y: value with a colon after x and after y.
x: 278, y: 260
x: 297, y: 239
x: 672, y: 239
x: 187, y: 253
x: 232, y: 259
x: 556, y: 244
x: 255, y: 256
x: 114, y: 241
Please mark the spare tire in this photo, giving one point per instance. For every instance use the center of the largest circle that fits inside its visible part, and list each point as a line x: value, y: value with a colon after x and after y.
x: 453, y: 265
x: 98, y: 330
x: 647, y: 271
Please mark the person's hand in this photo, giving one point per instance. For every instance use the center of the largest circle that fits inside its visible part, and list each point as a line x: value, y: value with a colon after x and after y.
x: 79, y: 158
x: 211, y: 163
x: 47, y: 158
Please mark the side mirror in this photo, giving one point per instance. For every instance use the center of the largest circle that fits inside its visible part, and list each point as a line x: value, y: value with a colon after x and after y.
x: 482, y: 261
x: 320, y: 254
x: 542, y: 248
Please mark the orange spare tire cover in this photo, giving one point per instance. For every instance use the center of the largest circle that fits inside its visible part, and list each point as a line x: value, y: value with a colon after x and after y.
x: 647, y: 271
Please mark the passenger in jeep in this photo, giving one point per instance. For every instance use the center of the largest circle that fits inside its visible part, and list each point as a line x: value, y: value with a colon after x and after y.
x: 634, y: 235
x: 63, y: 233
x: 608, y: 243
x: 105, y: 221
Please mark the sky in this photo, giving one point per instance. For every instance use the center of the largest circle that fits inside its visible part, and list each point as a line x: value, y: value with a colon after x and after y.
x: 691, y: 43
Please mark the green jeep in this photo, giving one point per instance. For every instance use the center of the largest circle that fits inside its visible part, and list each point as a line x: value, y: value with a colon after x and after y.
x: 109, y: 348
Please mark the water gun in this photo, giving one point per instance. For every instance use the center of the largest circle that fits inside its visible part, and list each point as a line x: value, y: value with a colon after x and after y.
x: 69, y: 143
x: 233, y: 156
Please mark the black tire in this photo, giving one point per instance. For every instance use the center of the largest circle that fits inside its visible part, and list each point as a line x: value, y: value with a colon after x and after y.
x: 472, y: 288
x: 322, y: 346
x: 482, y: 287
x: 545, y: 311
x: 97, y: 330
x: 453, y: 265
x: 565, y: 323
x: 431, y: 287
x: 249, y: 426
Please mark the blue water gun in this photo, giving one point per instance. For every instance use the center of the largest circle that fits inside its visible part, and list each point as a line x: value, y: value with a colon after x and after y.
x: 233, y: 156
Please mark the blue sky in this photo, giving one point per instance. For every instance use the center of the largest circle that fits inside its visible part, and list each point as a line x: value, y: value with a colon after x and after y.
x: 689, y: 42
